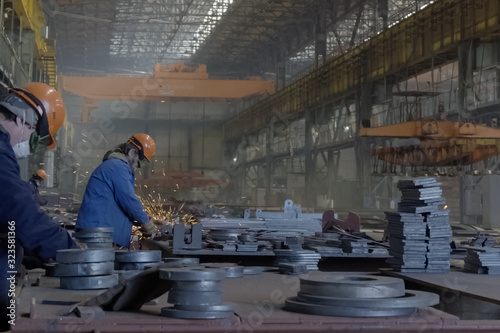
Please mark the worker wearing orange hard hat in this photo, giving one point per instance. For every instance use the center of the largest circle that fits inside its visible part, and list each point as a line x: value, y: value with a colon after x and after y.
x: 29, y: 118
x: 34, y: 183
x: 109, y: 199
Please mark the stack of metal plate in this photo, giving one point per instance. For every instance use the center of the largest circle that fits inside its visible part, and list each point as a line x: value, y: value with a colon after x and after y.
x: 349, y: 295
x: 359, y: 246
x: 86, y: 269
x: 438, y: 247
x: 483, y: 260
x: 95, y: 238
x: 136, y: 260
x: 196, y: 293
x: 420, y: 195
x: 483, y: 240
x: 407, y: 241
x: 288, y: 261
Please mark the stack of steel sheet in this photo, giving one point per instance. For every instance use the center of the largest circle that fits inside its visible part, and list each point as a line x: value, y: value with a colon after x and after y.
x: 196, y: 293
x: 483, y: 260
x: 136, y: 260
x: 483, y: 240
x: 420, y: 233
x: 333, y: 294
x: 359, y: 246
x: 407, y: 241
x: 95, y: 238
x: 296, y: 261
x: 86, y: 269
x: 438, y: 247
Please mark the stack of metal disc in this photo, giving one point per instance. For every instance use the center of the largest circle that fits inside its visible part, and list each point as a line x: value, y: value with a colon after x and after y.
x: 95, y: 238
x: 348, y: 295
x: 232, y: 270
x: 86, y: 269
x: 136, y: 260
x: 296, y: 261
x: 196, y: 293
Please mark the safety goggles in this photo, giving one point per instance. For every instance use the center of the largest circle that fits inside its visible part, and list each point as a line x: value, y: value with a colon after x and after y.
x: 138, y: 145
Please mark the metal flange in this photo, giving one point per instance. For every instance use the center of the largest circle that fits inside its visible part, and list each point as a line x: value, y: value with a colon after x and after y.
x: 192, y: 274
x: 96, y: 240
x: 188, y: 261
x: 88, y: 282
x: 292, y: 304
x: 193, y: 286
x: 232, y: 270
x: 175, y: 313
x: 351, y: 286
x: 83, y: 235
x: 84, y: 269
x: 195, y: 297
x: 73, y: 256
x: 135, y: 266
x: 412, y: 299
x: 101, y: 229
x: 206, y: 308
x: 138, y: 256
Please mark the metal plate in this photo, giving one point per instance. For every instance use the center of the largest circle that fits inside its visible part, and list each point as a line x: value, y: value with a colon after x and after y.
x: 73, y: 256
x: 134, y: 266
x: 253, y: 270
x: 194, y: 286
x: 102, y: 229
x: 206, y: 308
x: 351, y: 286
x: 412, y: 299
x: 84, y: 269
x: 195, y: 297
x: 192, y: 274
x: 138, y: 256
x: 174, y: 313
x: 188, y: 261
x: 88, y: 282
x: 292, y: 304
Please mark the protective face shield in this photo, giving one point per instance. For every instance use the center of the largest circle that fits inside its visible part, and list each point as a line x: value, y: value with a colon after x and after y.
x: 24, y: 148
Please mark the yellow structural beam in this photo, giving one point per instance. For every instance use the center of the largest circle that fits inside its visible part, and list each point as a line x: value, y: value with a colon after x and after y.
x: 31, y: 15
x: 413, y: 43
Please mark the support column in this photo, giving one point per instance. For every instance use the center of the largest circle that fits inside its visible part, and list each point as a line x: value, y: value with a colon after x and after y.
x: 320, y: 36
x: 309, y: 195
x: 280, y: 68
x: 49, y: 168
x: 269, y: 166
x: 361, y: 145
x: 466, y: 64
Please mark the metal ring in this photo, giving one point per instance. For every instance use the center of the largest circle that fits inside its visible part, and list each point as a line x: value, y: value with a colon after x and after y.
x: 292, y: 304
x: 192, y: 274
x: 100, y: 229
x: 137, y: 256
x: 189, y: 261
x: 135, y: 266
x: 82, y: 234
x: 88, y: 282
x: 73, y: 256
x: 412, y: 299
x: 206, y: 308
x: 351, y: 286
x: 193, y: 286
x: 175, y: 313
x: 84, y: 269
x: 195, y: 297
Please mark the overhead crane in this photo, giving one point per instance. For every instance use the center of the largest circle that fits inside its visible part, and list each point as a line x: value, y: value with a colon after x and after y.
x: 177, y: 82
x: 442, y: 143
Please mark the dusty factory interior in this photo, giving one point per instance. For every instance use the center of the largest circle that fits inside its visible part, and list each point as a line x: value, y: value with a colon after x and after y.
x: 249, y: 165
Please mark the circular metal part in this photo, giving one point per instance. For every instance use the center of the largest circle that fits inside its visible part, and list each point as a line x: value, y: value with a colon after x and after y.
x: 232, y: 270
x: 412, y: 299
x: 134, y: 266
x: 96, y: 240
x: 99, y: 245
x: 49, y: 269
x: 192, y: 274
x: 88, y: 282
x: 73, y: 256
x: 90, y: 230
x: 254, y: 270
x: 222, y: 234
x: 84, y: 269
x: 84, y: 235
x: 351, y: 286
x: 208, y: 308
x: 182, y: 314
x: 194, y: 286
x: 292, y: 304
x: 189, y: 261
x: 195, y: 297
x: 137, y: 256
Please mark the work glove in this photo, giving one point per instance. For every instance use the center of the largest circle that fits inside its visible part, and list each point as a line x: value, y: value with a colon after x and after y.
x: 149, y: 229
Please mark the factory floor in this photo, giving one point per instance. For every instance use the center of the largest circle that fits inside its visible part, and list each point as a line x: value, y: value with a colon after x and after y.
x: 259, y: 303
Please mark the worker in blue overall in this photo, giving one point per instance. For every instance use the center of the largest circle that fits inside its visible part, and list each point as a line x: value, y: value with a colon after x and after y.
x: 34, y: 183
x: 29, y: 117
x: 110, y: 200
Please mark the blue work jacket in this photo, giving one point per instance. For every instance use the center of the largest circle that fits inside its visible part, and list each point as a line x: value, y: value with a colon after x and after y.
x: 34, y: 230
x: 110, y: 201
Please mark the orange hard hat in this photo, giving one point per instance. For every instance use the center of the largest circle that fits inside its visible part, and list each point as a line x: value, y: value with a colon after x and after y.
x: 145, y: 144
x: 50, y: 107
x: 41, y: 173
